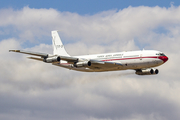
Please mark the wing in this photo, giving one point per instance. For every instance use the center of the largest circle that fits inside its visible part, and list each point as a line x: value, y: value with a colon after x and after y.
x: 91, y: 63
x: 98, y: 64
x: 94, y: 64
x: 77, y: 62
x: 43, y: 55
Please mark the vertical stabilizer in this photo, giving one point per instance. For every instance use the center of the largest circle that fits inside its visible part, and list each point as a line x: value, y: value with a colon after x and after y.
x: 58, y: 47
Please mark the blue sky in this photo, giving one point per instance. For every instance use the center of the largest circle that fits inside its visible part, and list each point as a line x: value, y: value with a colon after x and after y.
x: 85, y: 6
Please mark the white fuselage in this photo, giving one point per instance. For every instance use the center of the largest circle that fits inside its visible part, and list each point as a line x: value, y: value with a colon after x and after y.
x: 129, y: 60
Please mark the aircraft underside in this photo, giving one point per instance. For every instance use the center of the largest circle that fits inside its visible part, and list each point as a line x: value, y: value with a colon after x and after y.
x: 134, y: 65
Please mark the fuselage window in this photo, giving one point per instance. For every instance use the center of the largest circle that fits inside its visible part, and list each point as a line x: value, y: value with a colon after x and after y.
x: 117, y: 55
x: 100, y: 56
x: 131, y: 56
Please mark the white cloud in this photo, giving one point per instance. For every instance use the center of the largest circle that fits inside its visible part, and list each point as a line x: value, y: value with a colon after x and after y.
x: 35, y: 90
x: 105, y: 27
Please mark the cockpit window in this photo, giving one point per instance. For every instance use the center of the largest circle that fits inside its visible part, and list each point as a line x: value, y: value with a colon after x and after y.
x: 161, y: 54
x: 157, y: 54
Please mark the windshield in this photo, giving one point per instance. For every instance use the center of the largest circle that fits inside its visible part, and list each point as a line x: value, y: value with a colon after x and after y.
x: 160, y: 54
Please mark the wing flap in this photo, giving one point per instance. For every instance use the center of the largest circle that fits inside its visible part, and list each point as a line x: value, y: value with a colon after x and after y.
x: 34, y: 58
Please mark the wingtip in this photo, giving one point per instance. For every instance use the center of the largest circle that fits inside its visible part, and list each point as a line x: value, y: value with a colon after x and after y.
x: 14, y: 50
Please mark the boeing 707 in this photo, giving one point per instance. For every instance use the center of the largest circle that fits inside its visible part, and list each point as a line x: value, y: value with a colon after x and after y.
x: 142, y: 61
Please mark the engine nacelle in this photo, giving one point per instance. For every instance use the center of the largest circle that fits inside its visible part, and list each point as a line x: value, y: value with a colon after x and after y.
x: 82, y: 64
x: 52, y: 59
x: 147, y: 71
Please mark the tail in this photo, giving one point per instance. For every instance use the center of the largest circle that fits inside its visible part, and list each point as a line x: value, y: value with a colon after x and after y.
x: 58, y: 47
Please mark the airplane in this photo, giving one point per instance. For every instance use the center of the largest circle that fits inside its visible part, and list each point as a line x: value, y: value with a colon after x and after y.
x: 142, y: 61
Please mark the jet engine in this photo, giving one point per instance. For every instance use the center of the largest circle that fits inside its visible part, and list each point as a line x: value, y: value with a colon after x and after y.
x: 151, y: 71
x: 82, y: 64
x: 52, y: 59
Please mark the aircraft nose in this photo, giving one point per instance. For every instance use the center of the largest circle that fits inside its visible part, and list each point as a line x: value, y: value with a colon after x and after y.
x: 163, y: 58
